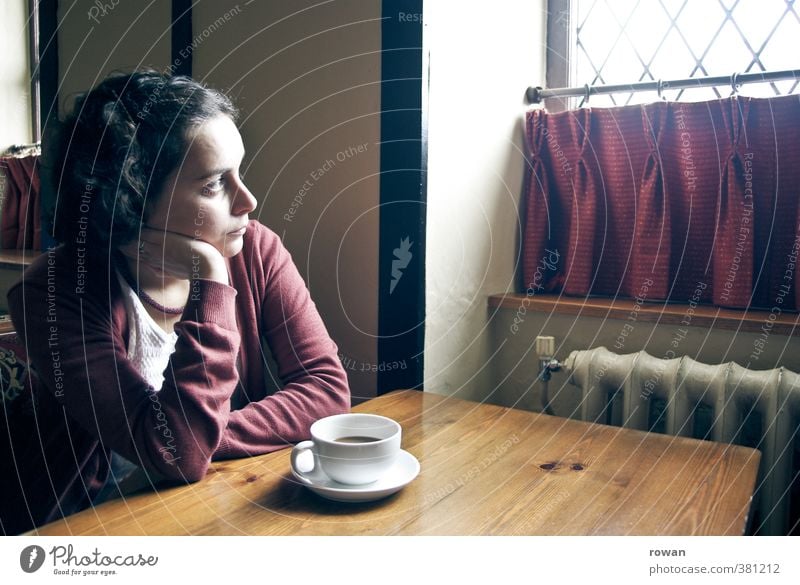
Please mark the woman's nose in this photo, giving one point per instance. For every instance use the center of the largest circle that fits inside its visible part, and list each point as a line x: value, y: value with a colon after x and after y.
x: 243, y: 200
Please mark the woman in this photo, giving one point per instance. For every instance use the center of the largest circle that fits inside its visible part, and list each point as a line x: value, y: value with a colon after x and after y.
x: 145, y: 326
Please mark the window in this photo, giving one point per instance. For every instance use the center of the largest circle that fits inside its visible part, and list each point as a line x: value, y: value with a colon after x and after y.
x: 15, y: 82
x: 622, y: 41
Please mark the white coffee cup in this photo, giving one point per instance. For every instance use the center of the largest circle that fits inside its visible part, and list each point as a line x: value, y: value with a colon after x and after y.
x: 353, y: 449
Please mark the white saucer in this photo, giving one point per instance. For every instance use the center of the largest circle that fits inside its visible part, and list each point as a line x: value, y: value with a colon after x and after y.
x: 404, y: 470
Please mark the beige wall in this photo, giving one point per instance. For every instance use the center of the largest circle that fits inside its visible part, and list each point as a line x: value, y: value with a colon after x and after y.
x: 93, y: 43
x: 307, y: 79
x: 481, y: 61
x: 15, y: 96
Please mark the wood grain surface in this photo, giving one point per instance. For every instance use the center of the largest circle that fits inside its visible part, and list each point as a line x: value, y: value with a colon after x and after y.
x: 485, y: 470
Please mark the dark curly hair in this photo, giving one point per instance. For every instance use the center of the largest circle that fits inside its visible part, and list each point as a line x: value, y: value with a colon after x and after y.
x: 114, y: 151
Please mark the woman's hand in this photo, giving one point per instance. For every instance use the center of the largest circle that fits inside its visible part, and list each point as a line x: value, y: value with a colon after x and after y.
x: 177, y: 255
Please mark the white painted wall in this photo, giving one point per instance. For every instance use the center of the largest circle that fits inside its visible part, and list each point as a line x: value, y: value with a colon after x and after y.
x: 482, y: 58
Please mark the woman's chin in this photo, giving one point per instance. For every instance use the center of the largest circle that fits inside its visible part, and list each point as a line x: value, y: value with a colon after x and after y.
x: 232, y: 247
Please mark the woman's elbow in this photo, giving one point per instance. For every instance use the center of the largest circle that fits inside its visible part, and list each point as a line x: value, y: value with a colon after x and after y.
x: 186, y: 467
x: 195, y: 474
x: 341, y: 399
x: 192, y: 472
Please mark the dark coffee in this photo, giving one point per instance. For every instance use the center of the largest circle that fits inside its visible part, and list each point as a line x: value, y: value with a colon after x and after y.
x: 356, y: 439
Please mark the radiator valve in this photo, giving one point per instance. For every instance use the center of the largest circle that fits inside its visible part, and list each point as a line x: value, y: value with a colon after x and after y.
x: 546, y: 349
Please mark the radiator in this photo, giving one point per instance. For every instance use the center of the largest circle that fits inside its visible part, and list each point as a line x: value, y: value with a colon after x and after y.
x: 732, y: 393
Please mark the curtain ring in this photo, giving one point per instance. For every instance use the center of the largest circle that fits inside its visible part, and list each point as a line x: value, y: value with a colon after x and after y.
x: 587, y: 92
x: 735, y: 84
x: 660, y: 90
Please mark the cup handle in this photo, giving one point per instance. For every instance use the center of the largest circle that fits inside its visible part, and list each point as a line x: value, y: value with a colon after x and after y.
x: 298, y: 450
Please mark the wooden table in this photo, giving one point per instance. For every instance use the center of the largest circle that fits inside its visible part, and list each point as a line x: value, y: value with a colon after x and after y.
x: 485, y: 470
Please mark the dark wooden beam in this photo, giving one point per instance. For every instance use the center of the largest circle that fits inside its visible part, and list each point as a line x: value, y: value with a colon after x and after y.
x: 33, y: 60
x: 44, y: 72
x: 182, y: 37
x: 401, y: 272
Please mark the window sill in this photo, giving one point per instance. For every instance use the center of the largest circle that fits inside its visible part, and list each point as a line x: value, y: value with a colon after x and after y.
x: 18, y: 258
x: 671, y: 314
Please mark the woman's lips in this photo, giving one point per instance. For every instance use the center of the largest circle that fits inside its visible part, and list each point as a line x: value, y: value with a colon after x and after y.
x: 239, y: 232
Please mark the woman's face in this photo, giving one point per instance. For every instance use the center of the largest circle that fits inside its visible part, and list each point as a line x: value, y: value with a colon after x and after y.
x: 204, y: 197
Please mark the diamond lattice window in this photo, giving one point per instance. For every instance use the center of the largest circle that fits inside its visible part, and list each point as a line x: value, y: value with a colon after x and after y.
x: 620, y: 41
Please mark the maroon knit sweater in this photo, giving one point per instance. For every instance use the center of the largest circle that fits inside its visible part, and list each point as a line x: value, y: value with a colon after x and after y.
x: 87, y: 399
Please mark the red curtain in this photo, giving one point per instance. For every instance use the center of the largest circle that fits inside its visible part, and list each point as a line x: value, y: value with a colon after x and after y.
x: 667, y: 201
x: 21, y: 204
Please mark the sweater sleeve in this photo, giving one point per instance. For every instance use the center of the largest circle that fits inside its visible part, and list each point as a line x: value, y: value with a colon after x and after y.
x: 314, y: 381
x: 81, y: 357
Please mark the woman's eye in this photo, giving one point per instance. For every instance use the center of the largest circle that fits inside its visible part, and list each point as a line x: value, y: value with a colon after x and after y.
x: 213, y: 187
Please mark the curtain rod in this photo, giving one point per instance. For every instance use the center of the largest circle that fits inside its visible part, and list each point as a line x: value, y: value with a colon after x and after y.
x: 535, y: 95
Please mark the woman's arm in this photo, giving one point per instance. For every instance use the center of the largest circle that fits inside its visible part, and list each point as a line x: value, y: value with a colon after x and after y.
x: 80, y: 355
x: 314, y: 382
